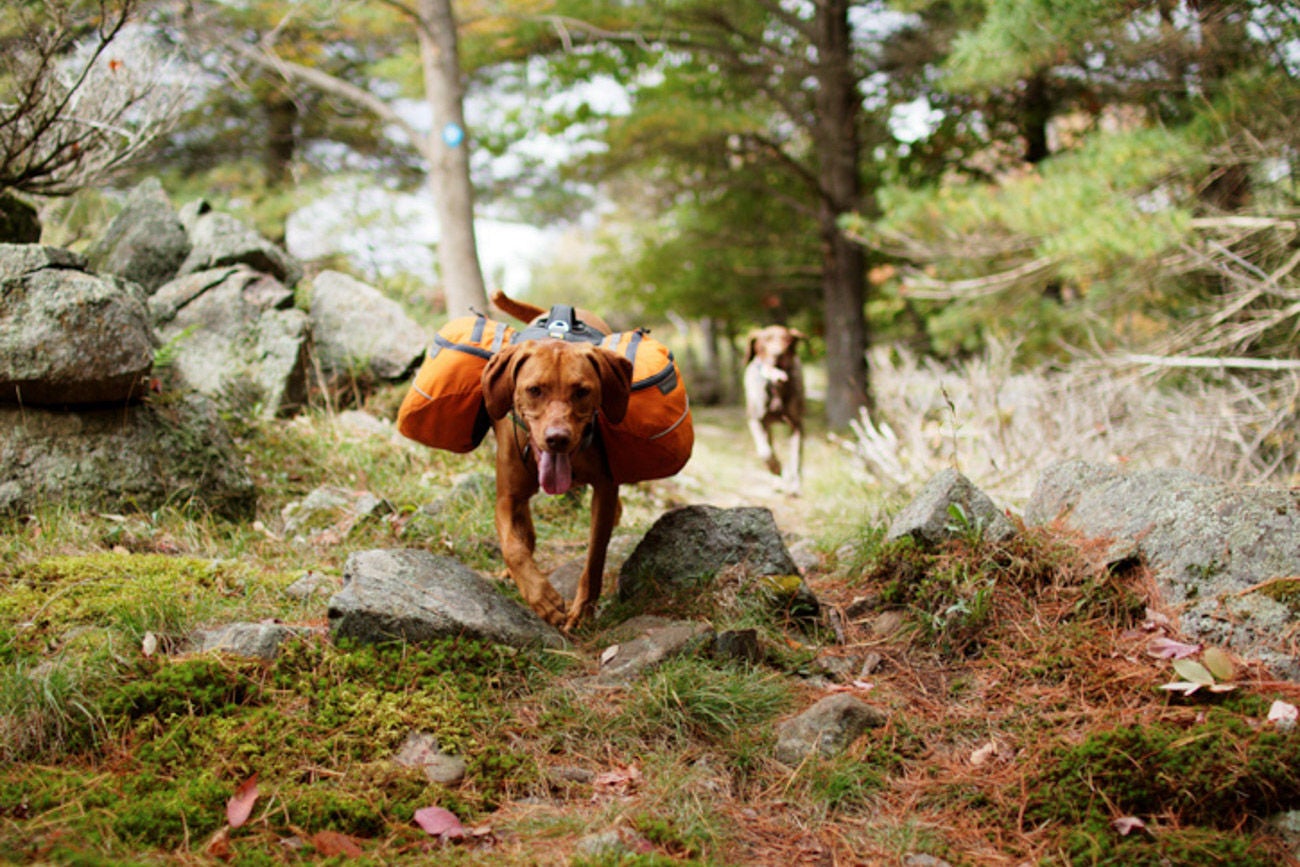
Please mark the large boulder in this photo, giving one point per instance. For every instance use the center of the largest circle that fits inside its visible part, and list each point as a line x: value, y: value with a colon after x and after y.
x: 233, y: 334
x: 218, y: 239
x: 146, y: 455
x: 416, y: 596
x: 696, y: 543
x: 1224, y: 556
x: 68, y: 337
x: 358, y: 328
x: 146, y: 242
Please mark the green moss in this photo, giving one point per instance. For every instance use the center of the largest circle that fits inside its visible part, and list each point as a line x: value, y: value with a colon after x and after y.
x: 1219, y: 774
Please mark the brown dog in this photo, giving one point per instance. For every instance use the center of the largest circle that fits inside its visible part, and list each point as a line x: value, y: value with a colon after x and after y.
x: 543, y: 397
x: 774, y: 393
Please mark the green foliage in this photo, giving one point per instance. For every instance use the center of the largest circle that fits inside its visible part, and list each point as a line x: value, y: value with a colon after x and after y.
x: 690, y: 698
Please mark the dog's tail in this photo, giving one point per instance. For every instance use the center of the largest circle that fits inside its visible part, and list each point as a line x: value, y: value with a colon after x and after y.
x: 521, y: 310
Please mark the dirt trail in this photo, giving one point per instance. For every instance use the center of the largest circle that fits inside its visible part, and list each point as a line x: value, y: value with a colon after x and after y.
x: 725, y: 470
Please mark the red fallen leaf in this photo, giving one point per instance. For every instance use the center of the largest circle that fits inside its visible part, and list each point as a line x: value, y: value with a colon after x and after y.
x: 1167, y: 648
x: 332, y: 844
x: 240, y: 805
x: 439, y: 822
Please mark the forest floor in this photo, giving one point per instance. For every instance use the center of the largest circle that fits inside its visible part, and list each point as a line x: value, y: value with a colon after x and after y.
x: 1025, y: 719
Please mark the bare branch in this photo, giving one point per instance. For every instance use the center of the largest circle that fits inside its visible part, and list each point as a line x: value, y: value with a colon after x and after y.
x: 327, y: 83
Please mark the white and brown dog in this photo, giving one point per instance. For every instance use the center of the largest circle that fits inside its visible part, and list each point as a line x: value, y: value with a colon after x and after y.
x: 774, y: 392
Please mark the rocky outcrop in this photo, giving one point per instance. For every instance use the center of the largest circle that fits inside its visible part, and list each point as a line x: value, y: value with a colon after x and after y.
x: 68, y: 337
x: 826, y: 729
x: 218, y: 240
x: 360, y: 330
x: 141, y: 455
x: 695, y: 543
x: 417, y: 596
x: 1226, y: 557
x: 234, y: 334
x: 145, y: 243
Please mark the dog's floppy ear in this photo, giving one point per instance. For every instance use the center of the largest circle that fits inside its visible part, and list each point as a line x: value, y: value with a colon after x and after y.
x: 753, y: 347
x: 615, y: 374
x: 499, y: 380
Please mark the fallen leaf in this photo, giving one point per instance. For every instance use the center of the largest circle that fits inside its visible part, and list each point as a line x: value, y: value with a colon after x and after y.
x: 1167, y: 648
x: 240, y: 805
x: 1284, y: 714
x: 1190, y: 669
x: 863, y: 685
x: 1219, y: 664
x: 439, y: 822
x: 1184, y: 687
x: 219, y: 845
x: 1128, y: 824
x: 984, y: 754
x: 609, y: 654
x: 332, y: 844
x: 149, y: 644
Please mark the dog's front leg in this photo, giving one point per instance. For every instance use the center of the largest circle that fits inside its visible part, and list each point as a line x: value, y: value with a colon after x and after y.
x: 605, y: 509
x: 514, y: 520
x: 795, y: 465
x: 762, y: 433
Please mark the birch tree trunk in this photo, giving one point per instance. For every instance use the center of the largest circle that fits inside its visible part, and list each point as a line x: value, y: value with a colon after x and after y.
x: 448, y: 153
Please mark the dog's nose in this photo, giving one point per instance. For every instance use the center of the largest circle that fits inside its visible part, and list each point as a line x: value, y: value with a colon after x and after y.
x: 558, y: 440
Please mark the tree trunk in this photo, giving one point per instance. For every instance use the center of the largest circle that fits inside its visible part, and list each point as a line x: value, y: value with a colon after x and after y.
x: 281, y: 139
x: 448, y: 150
x: 844, y: 271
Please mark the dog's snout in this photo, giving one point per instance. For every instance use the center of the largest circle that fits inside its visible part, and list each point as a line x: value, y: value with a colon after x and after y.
x: 558, y: 439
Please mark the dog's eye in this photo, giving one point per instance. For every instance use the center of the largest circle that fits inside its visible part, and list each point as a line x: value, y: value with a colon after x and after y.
x: 581, y: 391
x: 533, y: 391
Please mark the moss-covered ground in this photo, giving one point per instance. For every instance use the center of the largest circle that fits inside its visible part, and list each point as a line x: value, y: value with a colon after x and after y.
x: 1024, y: 711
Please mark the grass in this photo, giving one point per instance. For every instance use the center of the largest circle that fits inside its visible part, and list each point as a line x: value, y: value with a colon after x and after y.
x: 1023, y: 714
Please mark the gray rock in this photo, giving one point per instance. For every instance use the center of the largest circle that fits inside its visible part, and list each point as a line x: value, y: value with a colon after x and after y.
x: 928, y: 519
x: 624, y: 662
x: 358, y: 328
x: 697, y: 542
x: 261, y: 640
x: 142, y: 456
x: 1209, y: 545
x: 826, y: 729
x: 740, y: 645
x: 68, y: 338
x: 233, y: 333
x: 145, y: 243
x: 313, y: 584
x: 329, y: 506
x: 218, y: 239
x: 420, y: 750
x: 19, y: 260
x: 418, y: 596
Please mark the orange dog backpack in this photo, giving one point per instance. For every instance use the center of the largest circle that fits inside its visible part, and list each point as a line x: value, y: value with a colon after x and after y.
x: 444, y: 407
x: 654, y: 440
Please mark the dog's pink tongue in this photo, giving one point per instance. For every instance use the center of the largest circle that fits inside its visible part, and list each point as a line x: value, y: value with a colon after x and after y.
x: 554, y: 473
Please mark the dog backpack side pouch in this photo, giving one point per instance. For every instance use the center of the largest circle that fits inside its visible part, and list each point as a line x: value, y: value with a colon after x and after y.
x: 655, y: 438
x: 444, y: 407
